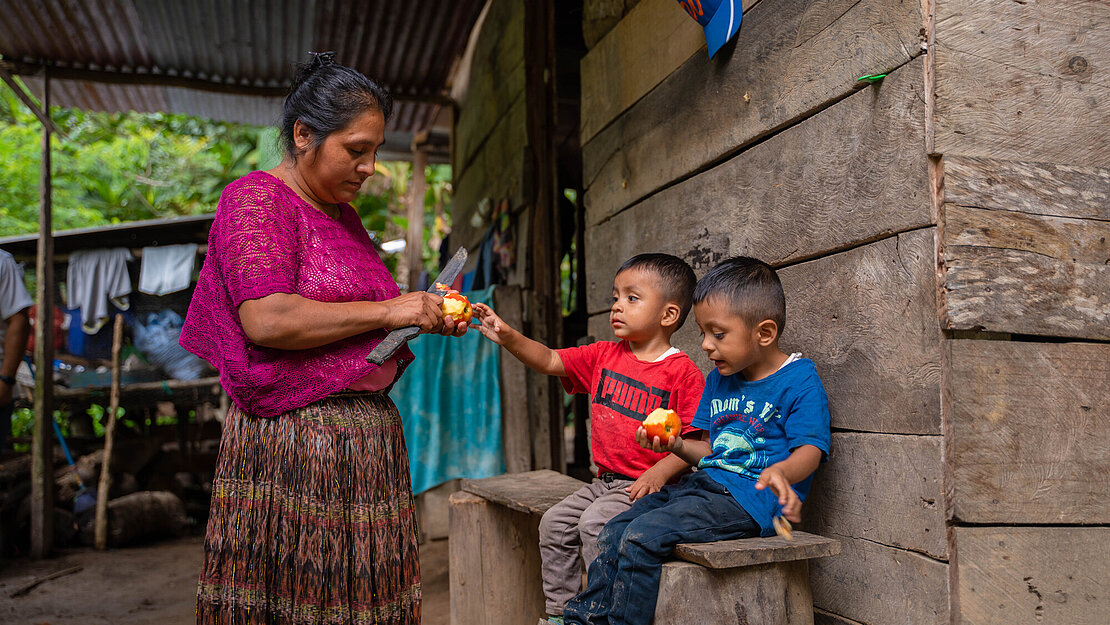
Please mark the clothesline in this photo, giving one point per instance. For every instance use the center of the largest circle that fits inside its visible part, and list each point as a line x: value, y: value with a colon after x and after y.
x: 137, y: 252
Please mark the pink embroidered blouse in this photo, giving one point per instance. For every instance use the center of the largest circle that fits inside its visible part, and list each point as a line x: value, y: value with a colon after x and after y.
x: 265, y: 239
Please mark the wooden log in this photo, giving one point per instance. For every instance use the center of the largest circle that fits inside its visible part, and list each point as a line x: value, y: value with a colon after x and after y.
x: 882, y: 488
x: 516, y: 430
x: 1007, y: 575
x: 1030, y: 432
x: 1023, y: 80
x: 792, y: 59
x: 532, y: 492
x: 26, y: 588
x: 101, y: 522
x: 494, y: 563
x: 141, y: 517
x: 867, y: 317
x: 652, y: 41
x: 852, y: 173
x: 775, y: 594
x: 726, y: 554
x: 873, y: 583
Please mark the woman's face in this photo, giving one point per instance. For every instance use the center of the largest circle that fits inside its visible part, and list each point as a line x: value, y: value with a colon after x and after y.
x: 335, y: 170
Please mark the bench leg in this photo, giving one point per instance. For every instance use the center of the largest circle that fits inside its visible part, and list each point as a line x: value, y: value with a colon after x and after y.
x: 494, y: 563
x: 765, y: 594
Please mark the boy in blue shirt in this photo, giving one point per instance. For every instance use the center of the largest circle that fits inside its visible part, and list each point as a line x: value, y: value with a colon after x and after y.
x: 764, y: 417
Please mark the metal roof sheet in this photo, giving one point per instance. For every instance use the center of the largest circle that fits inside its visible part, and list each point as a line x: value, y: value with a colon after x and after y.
x: 232, y: 59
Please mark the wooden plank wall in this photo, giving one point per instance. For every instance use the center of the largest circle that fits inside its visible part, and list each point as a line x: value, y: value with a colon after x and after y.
x: 770, y: 150
x: 1022, y: 109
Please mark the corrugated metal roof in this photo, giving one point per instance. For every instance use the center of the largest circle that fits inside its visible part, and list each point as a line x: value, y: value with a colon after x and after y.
x: 233, y: 59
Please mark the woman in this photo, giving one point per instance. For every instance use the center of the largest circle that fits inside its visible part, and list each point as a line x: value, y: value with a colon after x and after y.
x: 312, y: 514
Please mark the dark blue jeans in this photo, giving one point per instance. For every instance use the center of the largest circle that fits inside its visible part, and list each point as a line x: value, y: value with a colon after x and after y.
x: 623, y: 582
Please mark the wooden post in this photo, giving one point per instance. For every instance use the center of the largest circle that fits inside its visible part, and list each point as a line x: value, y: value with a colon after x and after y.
x: 414, y: 244
x: 42, y: 446
x: 101, y: 521
x: 545, y: 312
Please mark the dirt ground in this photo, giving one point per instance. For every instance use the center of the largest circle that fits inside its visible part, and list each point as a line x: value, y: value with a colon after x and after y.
x: 149, y: 585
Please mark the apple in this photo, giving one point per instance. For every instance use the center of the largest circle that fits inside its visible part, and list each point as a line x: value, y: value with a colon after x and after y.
x: 664, y: 423
x: 456, y: 305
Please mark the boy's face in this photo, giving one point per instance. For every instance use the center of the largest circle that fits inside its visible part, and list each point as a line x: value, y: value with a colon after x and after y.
x: 731, y: 344
x: 638, y: 308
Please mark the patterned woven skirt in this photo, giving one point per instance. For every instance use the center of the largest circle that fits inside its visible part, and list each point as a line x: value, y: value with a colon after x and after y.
x: 312, y: 519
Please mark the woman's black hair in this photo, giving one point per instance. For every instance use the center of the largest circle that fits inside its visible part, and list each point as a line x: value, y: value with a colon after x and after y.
x: 750, y: 287
x: 325, y: 96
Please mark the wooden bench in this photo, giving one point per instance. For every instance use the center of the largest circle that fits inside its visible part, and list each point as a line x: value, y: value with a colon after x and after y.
x: 495, y: 563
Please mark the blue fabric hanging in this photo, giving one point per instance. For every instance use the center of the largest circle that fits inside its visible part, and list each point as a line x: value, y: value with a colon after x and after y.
x: 450, y: 404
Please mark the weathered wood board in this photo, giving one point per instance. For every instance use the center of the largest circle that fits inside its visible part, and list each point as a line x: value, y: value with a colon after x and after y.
x: 495, y: 83
x: 1023, y: 80
x: 516, y: 428
x: 532, y: 492
x: 882, y: 488
x: 649, y: 43
x: 1026, y: 248
x: 600, y: 16
x: 768, y: 594
x: 821, y: 617
x: 854, y: 172
x: 494, y: 564
x: 867, y: 317
x: 1010, y: 575
x: 1031, y: 439
x: 876, y: 584
x: 497, y: 172
x: 726, y: 554
x: 791, y: 59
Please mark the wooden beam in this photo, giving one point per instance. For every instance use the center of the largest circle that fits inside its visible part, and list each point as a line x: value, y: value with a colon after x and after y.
x: 100, y: 523
x: 414, y: 244
x: 1030, y: 430
x: 1008, y: 575
x: 516, y: 429
x: 43, y: 114
x: 1023, y: 80
x: 156, y: 78
x: 792, y: 58
x: 42, y: 446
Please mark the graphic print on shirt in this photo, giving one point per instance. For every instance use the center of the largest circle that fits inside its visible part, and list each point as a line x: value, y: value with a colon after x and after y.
x: 737, y: 444
x: 627, y: 396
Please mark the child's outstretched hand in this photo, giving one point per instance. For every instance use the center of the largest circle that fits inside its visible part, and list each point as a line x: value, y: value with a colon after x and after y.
x: 773, y: 477
x: 491, y: 326
x: 673, y: 444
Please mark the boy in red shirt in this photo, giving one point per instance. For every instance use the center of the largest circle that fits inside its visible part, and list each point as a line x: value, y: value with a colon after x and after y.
x: 627, y: 379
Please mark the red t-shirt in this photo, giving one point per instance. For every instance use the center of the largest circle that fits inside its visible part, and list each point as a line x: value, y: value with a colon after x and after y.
x: 624, y: 390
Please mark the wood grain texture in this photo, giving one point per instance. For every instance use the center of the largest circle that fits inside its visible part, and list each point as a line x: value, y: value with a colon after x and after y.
x: 821, y: 617
x: 600, y: 16
x: 516, y: 429
x: 532, y: 492
x: 791, y: 59
x: 1008, y: 575
x: 881, y: 488
x: 867, y: 317
x: 852, y: 173
x: 1046, y: 189
x: 875, y: 584
x: 768, y: 594
x: 1030, y: 432
x: 646, y: 46
x: 1023, y: 81
x: 494, y: 564
x: 1015, y: 272
x: 725, y: 554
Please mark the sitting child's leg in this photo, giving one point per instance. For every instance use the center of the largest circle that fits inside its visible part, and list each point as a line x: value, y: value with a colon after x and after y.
x: 561, y: 569
x: 635, y: 544
x: 607, y: 506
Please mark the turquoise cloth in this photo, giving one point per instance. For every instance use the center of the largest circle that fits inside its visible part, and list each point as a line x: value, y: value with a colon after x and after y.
x: 450, y: 404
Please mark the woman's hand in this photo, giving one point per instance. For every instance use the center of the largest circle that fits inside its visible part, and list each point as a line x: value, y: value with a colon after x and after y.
x: 423, y: 310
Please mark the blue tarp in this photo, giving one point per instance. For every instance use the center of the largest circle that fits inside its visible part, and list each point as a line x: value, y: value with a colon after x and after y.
x: 450, y: 404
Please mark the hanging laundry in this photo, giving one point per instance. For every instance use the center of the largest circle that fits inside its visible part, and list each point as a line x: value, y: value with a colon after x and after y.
x: 167, y: 268
x: 95, y: 277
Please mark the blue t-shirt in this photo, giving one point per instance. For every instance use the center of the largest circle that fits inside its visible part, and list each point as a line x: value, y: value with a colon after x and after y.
x: 753, y: 425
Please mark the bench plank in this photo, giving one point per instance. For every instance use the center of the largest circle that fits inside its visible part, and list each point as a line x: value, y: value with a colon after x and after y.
x: 532, y: 491
x: 725, y: 554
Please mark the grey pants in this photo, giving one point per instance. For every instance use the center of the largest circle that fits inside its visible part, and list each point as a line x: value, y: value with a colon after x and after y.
x: 572, y: 524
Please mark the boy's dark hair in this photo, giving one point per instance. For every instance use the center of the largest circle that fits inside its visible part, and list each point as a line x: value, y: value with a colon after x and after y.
x: 676, y: 279
x: 749, y: 286
x: 325, y: 96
